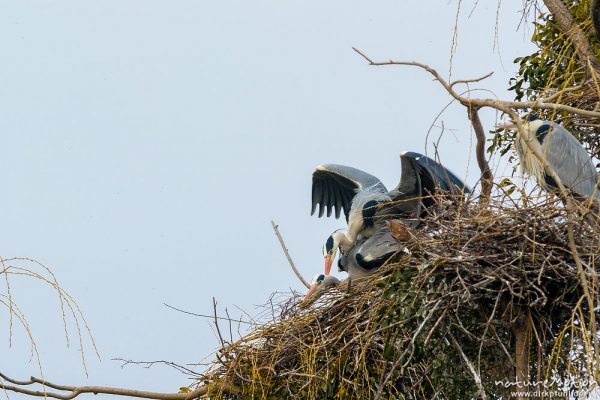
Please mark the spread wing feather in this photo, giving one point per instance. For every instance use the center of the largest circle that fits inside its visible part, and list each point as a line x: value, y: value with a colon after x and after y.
x: 439, y: 176
x: 334, y: 187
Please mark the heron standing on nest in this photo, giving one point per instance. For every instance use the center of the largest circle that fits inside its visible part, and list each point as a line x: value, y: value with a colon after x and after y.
x: 561, y: 150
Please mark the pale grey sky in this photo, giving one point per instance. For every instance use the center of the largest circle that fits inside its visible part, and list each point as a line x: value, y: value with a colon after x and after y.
x: 148, y: 144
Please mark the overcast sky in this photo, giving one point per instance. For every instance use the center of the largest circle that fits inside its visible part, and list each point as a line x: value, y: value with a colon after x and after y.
x: 147, y: 145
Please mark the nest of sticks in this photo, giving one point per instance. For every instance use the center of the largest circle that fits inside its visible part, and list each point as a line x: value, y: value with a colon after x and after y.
x: 481, y: 292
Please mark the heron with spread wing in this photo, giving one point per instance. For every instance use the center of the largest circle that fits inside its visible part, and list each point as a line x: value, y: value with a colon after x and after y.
x: 365, y: 200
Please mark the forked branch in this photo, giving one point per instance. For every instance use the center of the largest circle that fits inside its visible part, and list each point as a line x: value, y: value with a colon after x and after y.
x: 539, y: 104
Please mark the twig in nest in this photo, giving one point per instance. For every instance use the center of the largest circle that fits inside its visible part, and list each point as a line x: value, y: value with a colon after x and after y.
x: 287, y: 254
x: 216, y: 321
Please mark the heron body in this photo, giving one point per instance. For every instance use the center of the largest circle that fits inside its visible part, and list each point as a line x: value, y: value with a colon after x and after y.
x: 364, y: 198
x: 362, y: 213
x: 562, y: 151
x: 368, y: 254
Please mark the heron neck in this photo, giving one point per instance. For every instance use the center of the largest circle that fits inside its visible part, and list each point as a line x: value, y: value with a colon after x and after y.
x: 345, y: 242
x: 529, y: 162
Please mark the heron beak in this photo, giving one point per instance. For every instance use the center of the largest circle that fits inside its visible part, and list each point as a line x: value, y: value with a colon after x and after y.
x: 328, y: 263
x: 507, y: 125
x: 310, y: 292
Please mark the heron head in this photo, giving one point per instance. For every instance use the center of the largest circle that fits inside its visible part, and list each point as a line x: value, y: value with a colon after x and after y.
x: 320, y: 283
x: 531, y: 123
x: 531, y: 117
x: 331, y: 247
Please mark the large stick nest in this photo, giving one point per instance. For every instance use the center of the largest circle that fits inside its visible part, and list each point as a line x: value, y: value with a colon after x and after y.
x: 435, y: 320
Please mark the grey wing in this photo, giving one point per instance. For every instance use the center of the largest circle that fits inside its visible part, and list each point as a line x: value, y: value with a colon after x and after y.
x: 436, y: 176
x: 406, y: 197
x: 334, y: 187
x: 571, y: 162
x: 376, y: 249
x: 421, y: 178
x: 410, y: 179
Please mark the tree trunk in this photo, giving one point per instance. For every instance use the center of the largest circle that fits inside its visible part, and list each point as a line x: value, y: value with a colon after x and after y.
x: 595, y: 15
x: 521, y: 333
x: 571, y: 30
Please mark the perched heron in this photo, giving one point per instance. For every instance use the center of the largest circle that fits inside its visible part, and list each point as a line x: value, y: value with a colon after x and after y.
x: 562, y: 151
x: 321, y: 283
x: 363, y: 197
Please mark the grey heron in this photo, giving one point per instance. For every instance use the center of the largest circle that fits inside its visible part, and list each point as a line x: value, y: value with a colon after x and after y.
x: 319, y: 284
x: 562, y: 151
x: 363, y: 197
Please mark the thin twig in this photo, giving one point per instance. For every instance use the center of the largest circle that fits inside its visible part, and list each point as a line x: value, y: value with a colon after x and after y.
x: 216, y: 321
x: 287, y: 254
x: 149, y: 364
x: 206, y: 316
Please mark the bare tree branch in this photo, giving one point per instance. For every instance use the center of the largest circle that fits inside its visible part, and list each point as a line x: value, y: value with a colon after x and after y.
x: 540, y: 104
x: 486, y: 173
x: 287, y: 254
x: 74, y: 391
